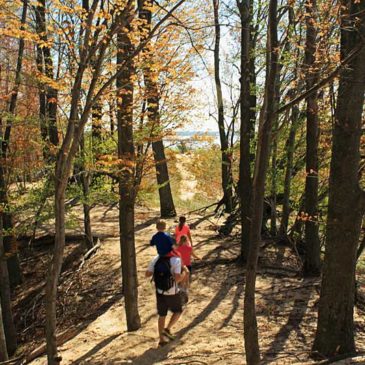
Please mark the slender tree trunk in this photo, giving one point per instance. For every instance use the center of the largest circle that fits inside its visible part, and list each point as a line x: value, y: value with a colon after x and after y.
x: 335, y: 327
x: 42, y: 104
x: 262, y: 158
x: 167, y: 207
x: 5, y: 302
x: 112, y: 116
x: 288, y: 171
x: 227, y: 180
x: 312, y: 243
x: 10, y: 244
x: 273, y: 192
x: 96, y: 129
x: 3, y: 350
x: 54, y: 273
x: 48, y: 95
x: 245, y: 181
x: 85, y: 178
x: 361, y: 248
x: 126, y: 155
x: 64, y: 159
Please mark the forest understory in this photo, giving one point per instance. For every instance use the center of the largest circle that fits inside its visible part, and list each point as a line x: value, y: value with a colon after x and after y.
x: 91, y: 311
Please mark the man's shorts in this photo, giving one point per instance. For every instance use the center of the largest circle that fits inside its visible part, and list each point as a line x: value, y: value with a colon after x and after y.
x: 168, y: 302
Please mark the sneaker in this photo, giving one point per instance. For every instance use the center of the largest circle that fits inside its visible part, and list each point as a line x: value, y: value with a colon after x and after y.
x: 168, y: 334
x: 162, y: 343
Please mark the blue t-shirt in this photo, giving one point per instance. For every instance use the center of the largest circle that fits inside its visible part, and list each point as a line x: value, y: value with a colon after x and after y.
x: 163, y: 243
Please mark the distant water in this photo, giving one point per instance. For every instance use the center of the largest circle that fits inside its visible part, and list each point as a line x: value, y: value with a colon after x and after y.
x: 213, y: 136
x: 199, y: 133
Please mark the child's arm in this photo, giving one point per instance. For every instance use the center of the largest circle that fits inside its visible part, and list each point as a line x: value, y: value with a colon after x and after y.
x: 189, y: 236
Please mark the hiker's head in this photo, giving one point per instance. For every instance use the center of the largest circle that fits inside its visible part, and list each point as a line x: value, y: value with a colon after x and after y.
x: 182, y: 221
x: 183, y: 240
x: 161, y: 226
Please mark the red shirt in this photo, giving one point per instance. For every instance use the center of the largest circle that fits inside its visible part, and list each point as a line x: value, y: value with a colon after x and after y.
x: 184, y: 231
x: 185, y: 252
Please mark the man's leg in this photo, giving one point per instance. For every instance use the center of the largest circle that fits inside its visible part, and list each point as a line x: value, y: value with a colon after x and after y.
x: 174, y: 318
x: 174, y: 304
x: 161, y: 327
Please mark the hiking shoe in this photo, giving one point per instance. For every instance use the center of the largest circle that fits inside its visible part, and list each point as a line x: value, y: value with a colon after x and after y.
x: 166, y: 332
x: 162, y: 343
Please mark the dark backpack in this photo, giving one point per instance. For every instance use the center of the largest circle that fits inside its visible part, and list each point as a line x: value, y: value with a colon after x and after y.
x: 162, y: 276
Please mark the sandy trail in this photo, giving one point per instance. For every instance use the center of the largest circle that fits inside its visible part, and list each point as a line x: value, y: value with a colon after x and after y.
x: 188, y: 185
x: 211, y: 329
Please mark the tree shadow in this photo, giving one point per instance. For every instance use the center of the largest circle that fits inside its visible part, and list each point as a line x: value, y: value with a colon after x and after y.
x: 109, y: 209
x: 154, y: 355
x: 145, y: 224
x: 194, y: 224
x: 293, y: 323
x: 235, y: 303
x: 95, y: 349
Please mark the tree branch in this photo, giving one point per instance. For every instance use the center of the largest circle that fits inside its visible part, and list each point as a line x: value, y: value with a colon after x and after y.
x: 323, y: 82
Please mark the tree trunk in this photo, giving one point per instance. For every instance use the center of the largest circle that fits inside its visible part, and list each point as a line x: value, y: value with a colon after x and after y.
x: 262, y: 158
x: 5, y: 303
x: 3, y: 350
x: 10, y: 244
x: 335, y: 327
x: 48, y: 95
x: 312, y: 243
x: 273, y: 192
x: 290, y: 144
x: 54, y: 273
x: 42, y: 104
x: 167, y: 207
x: 245, y: 181
x: 85, y: 178
x: 112, y: 116
x: 227, y: 180
x: 126, y: 155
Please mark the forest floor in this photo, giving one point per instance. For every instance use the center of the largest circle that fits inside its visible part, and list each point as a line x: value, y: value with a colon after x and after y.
x: 91, y: 304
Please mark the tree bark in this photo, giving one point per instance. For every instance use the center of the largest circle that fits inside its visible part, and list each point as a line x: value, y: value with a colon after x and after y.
x: 48, y: 95
x: 167, y: 207
x: 55, y: 269
x: 3, y: 350
x: 126, y: 155
x: 5, y: 303
x: 247, y: 124
x: 290, y: 144
x: 85, y: 178
x: 226, y: 167
x: 312, y: 260
x: 262, y: 158
x: 335, y: 327
x: 10, y: 244
x: 273, y: 192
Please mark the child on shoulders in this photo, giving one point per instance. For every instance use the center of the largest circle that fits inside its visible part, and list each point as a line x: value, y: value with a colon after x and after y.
x: 161, y: 239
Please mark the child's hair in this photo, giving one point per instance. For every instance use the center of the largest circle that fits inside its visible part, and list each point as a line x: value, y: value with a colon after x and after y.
x: 161, y: 225
x: 183, y: 239
x: 182, y: 221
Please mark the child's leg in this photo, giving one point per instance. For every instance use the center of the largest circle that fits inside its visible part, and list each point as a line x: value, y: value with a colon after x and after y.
x: 189, y: 277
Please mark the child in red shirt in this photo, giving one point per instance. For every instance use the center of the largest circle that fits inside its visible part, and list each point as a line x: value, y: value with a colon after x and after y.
x: 183, y: 230
x: 186, y: 251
